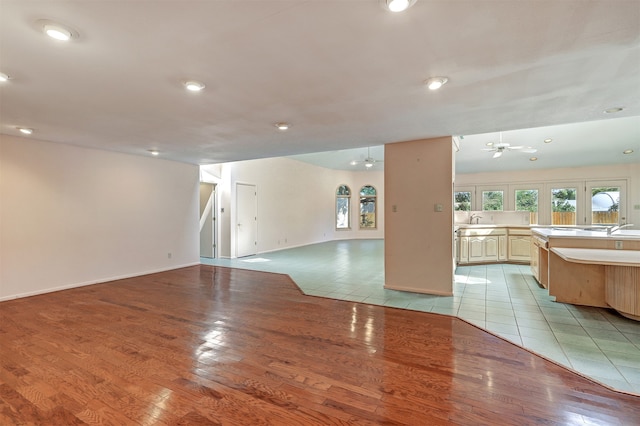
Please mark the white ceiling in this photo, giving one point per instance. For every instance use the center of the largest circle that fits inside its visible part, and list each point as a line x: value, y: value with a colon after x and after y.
x: 345, y: 73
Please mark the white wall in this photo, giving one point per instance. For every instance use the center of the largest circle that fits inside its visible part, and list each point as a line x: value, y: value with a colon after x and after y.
x: 630, y: 172
x: 296, y: 203
x: 72, y: 216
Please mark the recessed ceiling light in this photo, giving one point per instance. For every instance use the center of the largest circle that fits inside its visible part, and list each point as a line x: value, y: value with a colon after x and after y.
x: 353, y: 162
x: 397, y: 5
x: 627, y: 151
x: 283, y: 126
x: 489, y: 144
x: 613, y: 110
x: 533, y: 159
x: 194, y: 86
x: 548, y: 140
x: 57, y: 32
x: 434, y: 83
x: 154, y: 152
x: 25, y: 130
x: 3, y: 77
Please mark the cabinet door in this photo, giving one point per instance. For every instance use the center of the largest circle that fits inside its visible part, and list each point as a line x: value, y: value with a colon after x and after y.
x: 534, y: 260
x: 502, y: 247
x: 491, y: 248
x: 463, y: 249
x: 519, y: 248
x: 476, y: 249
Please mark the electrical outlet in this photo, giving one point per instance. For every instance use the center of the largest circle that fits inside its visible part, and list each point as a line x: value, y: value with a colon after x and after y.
x: 618, y: 245
x: 168, y: 255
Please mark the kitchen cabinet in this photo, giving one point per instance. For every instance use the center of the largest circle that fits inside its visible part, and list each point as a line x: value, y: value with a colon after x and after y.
x: 492, y: 244
x: 519, y: 245
x: 482, y: 245
x: 502, y: 248
x: 463, y: 249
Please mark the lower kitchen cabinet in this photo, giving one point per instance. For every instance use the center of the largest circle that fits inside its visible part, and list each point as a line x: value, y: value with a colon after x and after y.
x: 487, y: 245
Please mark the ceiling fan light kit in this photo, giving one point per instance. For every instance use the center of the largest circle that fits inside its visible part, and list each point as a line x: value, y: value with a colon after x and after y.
x: 499, y: 148
x: 368, y: 162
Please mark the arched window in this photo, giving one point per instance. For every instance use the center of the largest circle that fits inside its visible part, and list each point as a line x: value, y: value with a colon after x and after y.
x: 343, y: 207
x: 368, y: 207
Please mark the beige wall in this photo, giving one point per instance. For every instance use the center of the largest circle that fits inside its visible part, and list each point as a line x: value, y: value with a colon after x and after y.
x: 72, y: 216
x: 418, y: 239
x: 296, y: 203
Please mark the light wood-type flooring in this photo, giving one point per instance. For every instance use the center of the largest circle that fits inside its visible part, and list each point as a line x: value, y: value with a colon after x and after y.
x: 213, y: 345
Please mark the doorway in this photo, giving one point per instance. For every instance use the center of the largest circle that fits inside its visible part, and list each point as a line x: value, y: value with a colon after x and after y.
x: 208, y: 228
x: 246, y: 220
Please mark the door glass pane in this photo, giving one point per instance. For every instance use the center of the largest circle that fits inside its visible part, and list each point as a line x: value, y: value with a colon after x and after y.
x: 605, y: 204
x: 462, y: 201
x: 563, y: 206
x: 343, y: 202
x: 492, y: 200
x: 367, y: 207
x: 527, y: 201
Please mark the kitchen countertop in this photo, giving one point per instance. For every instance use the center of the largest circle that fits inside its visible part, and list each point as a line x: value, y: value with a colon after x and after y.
x: 600, y: 256
x: 586, y: 233
x: 489, y: 226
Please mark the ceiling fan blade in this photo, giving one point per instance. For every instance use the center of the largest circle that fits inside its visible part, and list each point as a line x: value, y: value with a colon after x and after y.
x: 488, y: 149
x: 529, y: 150
x: 497, y: 154
x: 515, y: 147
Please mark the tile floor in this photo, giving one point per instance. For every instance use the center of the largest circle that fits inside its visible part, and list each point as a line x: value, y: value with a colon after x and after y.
x: 504, y: 299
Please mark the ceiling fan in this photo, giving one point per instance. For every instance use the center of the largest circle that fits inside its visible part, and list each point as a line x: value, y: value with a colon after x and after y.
x: 499, y: 148
x: 368, y: 162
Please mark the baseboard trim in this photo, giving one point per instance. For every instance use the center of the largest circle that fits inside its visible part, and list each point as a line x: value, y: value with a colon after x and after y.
x: 92, y: 282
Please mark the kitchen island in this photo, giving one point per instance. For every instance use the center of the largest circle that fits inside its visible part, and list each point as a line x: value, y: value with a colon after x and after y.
x: 589, y: 267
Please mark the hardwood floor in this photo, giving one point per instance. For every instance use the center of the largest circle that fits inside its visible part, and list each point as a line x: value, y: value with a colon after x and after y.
x: 210, y: 345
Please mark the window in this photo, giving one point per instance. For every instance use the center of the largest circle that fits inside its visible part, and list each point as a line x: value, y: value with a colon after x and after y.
x: 527, y: 201
x: 367, y: 207
x: 563, y: 206
x: 492, y: 200
x: 607, y: 202
x: 462, y: 201
x: 343, y: 207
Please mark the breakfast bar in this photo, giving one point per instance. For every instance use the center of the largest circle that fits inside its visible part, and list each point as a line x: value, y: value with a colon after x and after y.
x: 591, y: 267
x: 621, y: 289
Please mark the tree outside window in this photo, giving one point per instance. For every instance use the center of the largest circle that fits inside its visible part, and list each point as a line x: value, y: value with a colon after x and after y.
x: 368, y: 197
x: 492, y: 200
x: 343, y: 207
x: 527, y: 201
x: 563, y: 206
x: 462, y: 201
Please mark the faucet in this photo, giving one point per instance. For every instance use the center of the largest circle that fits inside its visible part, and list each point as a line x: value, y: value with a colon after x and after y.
x: 477, y: 217
x: 612, y: 229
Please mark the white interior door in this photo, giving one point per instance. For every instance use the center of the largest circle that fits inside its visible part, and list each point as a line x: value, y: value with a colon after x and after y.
x: 246, y: 220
